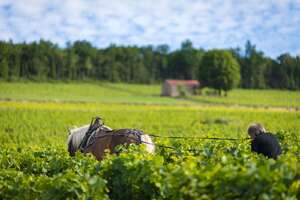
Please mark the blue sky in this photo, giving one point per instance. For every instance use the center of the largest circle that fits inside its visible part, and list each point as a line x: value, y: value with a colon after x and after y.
x: 273, y: 25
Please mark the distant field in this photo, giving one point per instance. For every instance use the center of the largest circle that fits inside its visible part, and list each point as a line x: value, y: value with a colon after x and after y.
x: 141, y: 94
x: 84, y: 92
x: 280, y: 98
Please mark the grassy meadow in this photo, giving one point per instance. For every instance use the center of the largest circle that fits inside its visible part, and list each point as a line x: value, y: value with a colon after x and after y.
x: 141, y: 94
x: 34, y: 163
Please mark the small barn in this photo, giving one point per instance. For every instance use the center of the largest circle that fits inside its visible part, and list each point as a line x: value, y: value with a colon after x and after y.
x: 176, y: 88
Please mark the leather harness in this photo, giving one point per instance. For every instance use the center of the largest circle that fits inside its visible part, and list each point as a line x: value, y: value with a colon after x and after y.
x: 96, y: 130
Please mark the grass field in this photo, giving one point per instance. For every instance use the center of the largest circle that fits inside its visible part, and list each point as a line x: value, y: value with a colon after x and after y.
x: 142, y: 94
x: 34, y: 163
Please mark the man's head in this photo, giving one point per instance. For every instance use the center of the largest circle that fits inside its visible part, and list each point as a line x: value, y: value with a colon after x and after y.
x: 255, y: 129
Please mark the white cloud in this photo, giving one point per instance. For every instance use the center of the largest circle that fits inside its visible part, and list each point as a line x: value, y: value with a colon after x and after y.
x: 209, y: 24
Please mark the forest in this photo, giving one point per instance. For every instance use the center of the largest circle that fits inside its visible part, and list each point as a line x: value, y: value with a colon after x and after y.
x: 80, y: 60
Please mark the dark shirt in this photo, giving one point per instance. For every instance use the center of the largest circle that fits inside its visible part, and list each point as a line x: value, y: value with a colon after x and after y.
x: 266, y: 144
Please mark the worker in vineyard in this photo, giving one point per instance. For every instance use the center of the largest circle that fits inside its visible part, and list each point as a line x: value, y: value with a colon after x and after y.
x: 263, y: 142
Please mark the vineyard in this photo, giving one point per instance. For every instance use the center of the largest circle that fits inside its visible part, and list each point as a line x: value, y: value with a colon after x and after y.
x: 34, y: 162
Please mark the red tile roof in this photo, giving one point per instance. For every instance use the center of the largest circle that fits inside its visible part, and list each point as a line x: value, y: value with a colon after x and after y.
x: 183, y: 82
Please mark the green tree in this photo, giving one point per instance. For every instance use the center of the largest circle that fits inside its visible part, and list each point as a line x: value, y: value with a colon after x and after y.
x: 3, y: 69
x: 4, y: 51
x: 285, y: 72
x: 14, y: 61
x: 219, y: 70
x: 184, y: 63
x: 71, y: 61
x: 86, y: 53
x: 253, y: 67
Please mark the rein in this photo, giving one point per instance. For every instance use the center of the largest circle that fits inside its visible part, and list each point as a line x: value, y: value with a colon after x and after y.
x: 181, y: 137
x: 96, y: 124
x: 172, y: 137
x: 196, y: 138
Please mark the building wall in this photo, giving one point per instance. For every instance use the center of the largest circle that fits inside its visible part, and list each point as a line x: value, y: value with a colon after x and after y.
x: 173, y: 90
x: 166, y: 90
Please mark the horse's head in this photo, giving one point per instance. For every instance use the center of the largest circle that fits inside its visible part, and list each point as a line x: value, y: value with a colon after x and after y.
x: 75, y: 137
x: 146, y: 139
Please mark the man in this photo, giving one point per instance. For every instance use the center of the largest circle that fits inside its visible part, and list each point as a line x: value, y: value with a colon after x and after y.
x: 263, y: 142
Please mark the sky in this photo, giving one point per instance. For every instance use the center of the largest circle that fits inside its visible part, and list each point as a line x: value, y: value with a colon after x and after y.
x: 272, y: 25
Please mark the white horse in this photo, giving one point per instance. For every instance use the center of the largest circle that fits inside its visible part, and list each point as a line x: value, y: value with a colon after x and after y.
x: 76, y: 136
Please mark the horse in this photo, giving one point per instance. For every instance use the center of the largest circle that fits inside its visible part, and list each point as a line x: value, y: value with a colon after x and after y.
x: 106, y: 138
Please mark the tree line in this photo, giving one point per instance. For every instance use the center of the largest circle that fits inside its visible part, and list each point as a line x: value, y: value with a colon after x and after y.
x: 80, y: 60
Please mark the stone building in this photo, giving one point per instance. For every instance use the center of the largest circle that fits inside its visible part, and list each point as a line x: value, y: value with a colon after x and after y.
x: 176, y: 88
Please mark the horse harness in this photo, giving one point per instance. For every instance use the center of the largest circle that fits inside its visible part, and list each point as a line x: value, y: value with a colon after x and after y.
x: 95, y: 124
x: 96, y: 131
